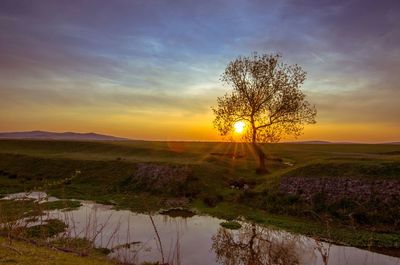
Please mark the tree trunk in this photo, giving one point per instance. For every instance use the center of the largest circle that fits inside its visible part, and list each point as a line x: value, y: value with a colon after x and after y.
x: 262, y: 169
x: 260, y: 153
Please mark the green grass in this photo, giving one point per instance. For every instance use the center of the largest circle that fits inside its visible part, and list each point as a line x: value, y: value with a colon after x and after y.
x: 11, y: 211
x: 23, y: 253
x: 34, y: 238
x: 314, y: 228
x: 371, y: 169
x: 103, y: 172
x: 51, y: 228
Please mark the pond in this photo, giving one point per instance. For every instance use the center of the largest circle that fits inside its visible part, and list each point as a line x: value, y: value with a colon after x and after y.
x: 199, y: 240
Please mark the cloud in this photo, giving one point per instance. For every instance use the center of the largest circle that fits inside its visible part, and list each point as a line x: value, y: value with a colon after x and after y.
x: 166, y: 56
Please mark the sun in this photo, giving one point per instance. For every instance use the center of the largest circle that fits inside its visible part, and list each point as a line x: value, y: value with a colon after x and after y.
x: 239, y: 127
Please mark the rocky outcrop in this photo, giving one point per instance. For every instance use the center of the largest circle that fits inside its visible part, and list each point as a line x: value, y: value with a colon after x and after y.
x: 162, y: 178
x: 361, y: 190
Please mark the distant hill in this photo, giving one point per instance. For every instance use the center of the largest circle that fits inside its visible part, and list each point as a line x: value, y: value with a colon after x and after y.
x: 59, y: 136
x: 320, y: 142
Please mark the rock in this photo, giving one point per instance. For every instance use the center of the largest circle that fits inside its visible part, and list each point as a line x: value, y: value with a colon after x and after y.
x: 361, y: 190
x: 176, y: 202
x: 162, y: 178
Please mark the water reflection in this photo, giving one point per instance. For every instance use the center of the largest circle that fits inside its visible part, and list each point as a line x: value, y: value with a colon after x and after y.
x: 198, y: 240
x: 323, y: 249
x: 253, y: 245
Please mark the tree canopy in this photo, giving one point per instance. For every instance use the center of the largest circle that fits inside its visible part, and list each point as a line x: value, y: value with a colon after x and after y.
x: 266, y: 96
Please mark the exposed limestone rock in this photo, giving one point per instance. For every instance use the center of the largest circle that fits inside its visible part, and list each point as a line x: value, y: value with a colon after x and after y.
x: 334, y: 189
x: 162, y: 178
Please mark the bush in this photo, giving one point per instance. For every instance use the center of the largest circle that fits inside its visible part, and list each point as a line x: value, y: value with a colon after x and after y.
x: 233, y: 225
x: 212, y: 200
x: 52, y: 228
x: 281, y: 203
x: 292, y: 199
x: 319, y: 202
x: 248, y: 196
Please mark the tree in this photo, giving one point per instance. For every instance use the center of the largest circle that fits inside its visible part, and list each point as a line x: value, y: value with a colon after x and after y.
x: 266, y: 96
x: 254, y: 245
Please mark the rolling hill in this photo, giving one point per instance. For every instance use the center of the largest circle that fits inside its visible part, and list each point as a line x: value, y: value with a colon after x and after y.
x: 59, y: 136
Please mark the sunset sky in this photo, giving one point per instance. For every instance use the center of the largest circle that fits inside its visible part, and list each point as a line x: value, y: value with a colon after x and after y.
x: 150, y: 69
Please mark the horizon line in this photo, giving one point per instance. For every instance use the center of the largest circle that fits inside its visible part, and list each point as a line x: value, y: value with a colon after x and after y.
x: 123, y: 138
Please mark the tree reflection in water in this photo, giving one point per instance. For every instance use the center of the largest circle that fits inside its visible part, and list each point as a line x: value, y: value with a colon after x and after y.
x: 254, y: 245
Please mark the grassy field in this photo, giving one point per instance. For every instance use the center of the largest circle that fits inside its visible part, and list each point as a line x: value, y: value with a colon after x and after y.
x: 25, y: 254
x: 103, y: 171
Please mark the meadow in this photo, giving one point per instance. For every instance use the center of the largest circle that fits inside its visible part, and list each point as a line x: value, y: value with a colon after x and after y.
x: 218, y: 179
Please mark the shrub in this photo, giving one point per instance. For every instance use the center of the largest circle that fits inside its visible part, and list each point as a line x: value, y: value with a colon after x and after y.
x: 233, y: 225
x: 212, y: 200
x: 319, y: 202
x: 52, y: 228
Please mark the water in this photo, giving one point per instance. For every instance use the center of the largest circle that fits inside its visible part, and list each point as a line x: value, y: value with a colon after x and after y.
x: 200, y: 240
x: 38, y: 196
x: 195, y: 240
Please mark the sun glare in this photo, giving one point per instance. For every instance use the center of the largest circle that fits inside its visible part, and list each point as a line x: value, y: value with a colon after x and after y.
x: 239, y: 127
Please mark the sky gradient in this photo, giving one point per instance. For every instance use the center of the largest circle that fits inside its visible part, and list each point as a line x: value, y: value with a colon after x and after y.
x: 150, y: 69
